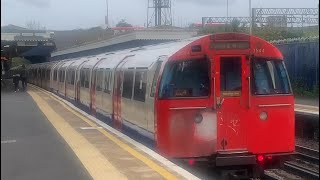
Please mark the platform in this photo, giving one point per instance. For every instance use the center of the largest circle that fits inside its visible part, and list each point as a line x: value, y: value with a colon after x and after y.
x: 68, y: 144
x: 306, y: 109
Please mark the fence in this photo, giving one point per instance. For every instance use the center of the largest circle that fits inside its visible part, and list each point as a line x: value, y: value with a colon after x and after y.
x: 302, y: 62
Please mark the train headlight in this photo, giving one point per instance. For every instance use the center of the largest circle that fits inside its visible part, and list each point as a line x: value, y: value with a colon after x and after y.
x: 198, y: 119
x: 263, y: 115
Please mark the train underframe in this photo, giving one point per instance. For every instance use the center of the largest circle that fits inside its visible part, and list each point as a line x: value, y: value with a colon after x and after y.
x: 241, y: 165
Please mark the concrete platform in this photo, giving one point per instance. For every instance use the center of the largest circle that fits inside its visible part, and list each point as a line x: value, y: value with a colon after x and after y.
x: 306, y: 110
x: 101, y: 152
x: 31, y: 148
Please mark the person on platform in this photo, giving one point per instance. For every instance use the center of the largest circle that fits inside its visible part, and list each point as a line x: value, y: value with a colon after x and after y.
x: 23, y: 81
x: 23, y: 78
x: 16, y: 82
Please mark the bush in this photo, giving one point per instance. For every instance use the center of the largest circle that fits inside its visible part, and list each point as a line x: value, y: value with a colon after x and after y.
x: 300, y: 89
x: 18, y: 61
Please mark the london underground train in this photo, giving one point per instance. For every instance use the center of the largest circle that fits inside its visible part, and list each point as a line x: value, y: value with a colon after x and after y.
x: 222, y: 97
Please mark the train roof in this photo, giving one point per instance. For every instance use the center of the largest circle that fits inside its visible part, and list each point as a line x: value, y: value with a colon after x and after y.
x: 144, y: 57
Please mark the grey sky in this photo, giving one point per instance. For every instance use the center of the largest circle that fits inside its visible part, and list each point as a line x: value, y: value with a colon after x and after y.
x: 72, y: 14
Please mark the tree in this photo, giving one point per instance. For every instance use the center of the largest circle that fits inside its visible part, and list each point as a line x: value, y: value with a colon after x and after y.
x: 235, y: 25
x: 18, y: 61
x: 123, y: 23
x: 33, y: 25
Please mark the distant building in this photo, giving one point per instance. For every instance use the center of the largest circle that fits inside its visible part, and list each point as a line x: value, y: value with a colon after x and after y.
x: 34, y: 45
x: 119, y: 30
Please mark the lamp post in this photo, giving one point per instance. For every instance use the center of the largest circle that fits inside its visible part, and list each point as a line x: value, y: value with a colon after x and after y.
x: 250, y: 15
x: 227, y: 9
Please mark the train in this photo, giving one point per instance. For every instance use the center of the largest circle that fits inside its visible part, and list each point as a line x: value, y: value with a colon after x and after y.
x: 223, y: 97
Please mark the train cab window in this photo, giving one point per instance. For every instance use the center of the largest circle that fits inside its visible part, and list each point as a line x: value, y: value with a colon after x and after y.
x: 188, y: 78
x: 140, y: 86
x: 155, y: 78
x: 270, y: 77
x: 230, y: 76
x: 127, y: 84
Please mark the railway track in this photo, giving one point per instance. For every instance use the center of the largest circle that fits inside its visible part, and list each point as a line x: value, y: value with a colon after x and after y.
x: 301, y: 170
x: 305, y: 165
x: 307, y: 154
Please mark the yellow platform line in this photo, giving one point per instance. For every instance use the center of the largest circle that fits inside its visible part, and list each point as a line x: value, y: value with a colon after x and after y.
x: 95, y: 163
x: 159, y: 169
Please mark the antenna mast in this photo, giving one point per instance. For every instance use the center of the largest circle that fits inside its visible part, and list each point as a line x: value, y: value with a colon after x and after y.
x: 160, y: 11
x: 106, y: 18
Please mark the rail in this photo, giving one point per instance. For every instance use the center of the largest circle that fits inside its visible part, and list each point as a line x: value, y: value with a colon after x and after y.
x: 307, y: 154
x: 301, y: 170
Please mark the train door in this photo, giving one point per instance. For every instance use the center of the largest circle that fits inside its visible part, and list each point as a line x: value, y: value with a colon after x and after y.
x: 117, y: 91
x: 152, y: 80
x: 92, y: 87
x: 77, y: 81
x: 231, y: 94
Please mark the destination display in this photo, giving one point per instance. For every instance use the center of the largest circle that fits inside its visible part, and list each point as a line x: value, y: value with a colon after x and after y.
x: 230, y: 45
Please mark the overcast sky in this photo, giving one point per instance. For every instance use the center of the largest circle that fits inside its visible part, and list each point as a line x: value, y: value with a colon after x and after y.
x: 73, y: 14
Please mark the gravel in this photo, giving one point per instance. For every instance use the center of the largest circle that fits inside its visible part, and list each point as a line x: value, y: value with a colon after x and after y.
x: 307, y: 143
x: 306, y: 164
x: 281, y: 174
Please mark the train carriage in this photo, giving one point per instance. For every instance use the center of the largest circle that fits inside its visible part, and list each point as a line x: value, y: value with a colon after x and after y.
x: 223, y: 97
x: 71, y: 77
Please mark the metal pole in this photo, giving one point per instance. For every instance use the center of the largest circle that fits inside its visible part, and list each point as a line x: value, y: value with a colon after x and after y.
x: 148, y: 14
x: 250, y: 15
x: 227, y: 9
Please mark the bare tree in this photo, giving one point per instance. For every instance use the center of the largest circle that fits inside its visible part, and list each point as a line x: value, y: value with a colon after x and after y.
x: 33, y: 25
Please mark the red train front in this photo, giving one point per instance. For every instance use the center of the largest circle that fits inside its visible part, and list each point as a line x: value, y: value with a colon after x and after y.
x: 226, y: 96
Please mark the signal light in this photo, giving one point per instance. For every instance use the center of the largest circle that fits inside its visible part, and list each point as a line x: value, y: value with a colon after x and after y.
x: 260, y: 158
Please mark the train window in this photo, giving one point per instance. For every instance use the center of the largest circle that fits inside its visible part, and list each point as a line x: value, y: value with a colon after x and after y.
x: 270, y: 77
x: 106, y: 78
x: 48, y: 74
x: 86, y: 78
x: 155, y: 78
x: 68, y: 76
x: 72, y: 76
x: 99, y: 80
x: 188, y: 78
x: 140, y: 86
x: 60, y: 76
x: 127, y: 84
x: 63, y: 75
x: 107, y: 82
x: 55, y: 75
x: 82, y: 77
x: 230, y: 76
